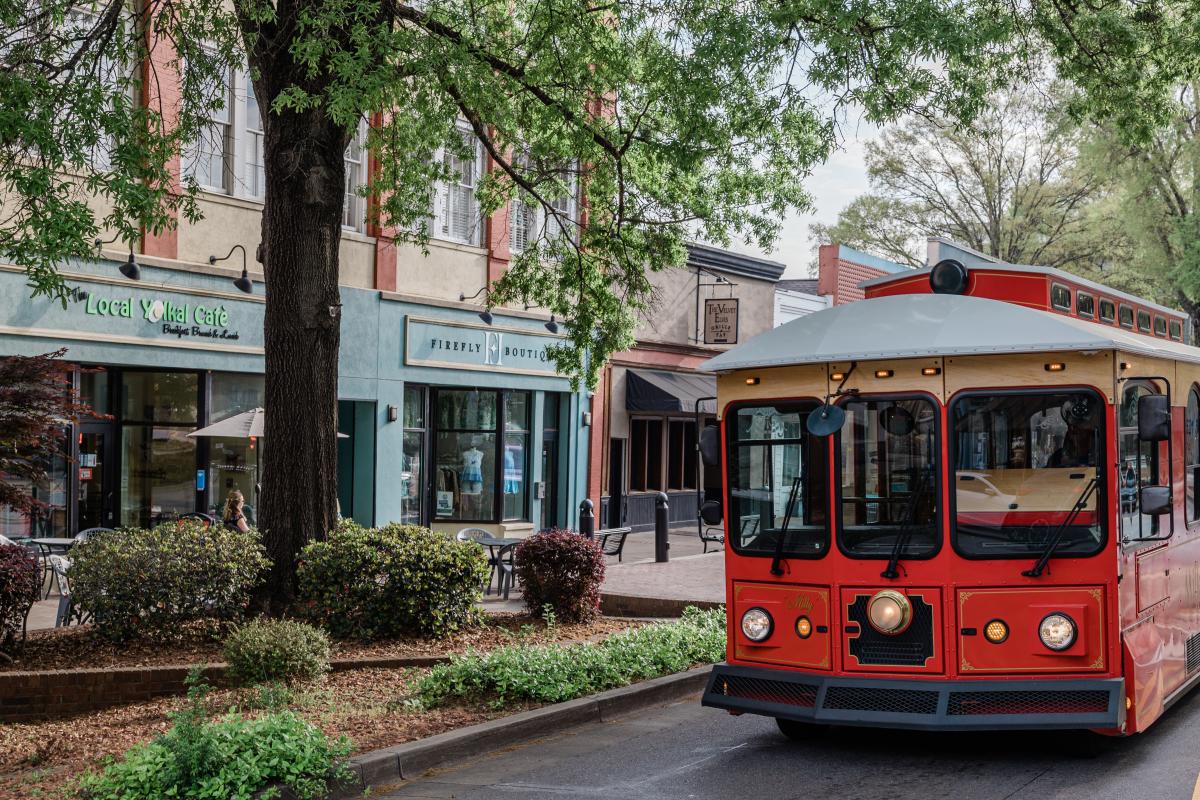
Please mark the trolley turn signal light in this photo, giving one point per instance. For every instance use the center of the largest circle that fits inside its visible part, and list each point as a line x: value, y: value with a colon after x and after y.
x: 1055, y: 366
x: 804, y: 627
x: 996, y: 631
x: 931, y: 371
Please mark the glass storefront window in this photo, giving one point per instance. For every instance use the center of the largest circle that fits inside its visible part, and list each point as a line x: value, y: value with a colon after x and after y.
x: 465, y: 453
x: 158, y: 477
x: 412, y: 476
x: 234, y: 393
x: 49, y: 517
x: 233, y: 464
x: 93, y: 389
x: 516, y: 454
x: 168, y: 397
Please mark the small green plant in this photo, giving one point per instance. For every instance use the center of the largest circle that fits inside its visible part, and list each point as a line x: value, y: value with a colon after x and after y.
x: 373, y: 583
x: 562, y: 570
x: 200, y: 758
x: 151, y: 583
x: 554, y: 673
x: 277, y: 650
x: 20, y: 588
x: 548, y: 616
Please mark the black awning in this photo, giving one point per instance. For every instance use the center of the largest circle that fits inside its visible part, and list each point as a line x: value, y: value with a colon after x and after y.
x: 653, y: 390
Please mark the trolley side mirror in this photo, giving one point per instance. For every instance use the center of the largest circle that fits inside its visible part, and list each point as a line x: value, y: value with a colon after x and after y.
x: 710, y: 446
x: 1154, y: 418
x: 1154, y: 501
x: 710, y: 512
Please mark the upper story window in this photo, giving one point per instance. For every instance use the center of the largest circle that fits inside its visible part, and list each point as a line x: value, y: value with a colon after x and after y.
x: 1177, y: 330
x: 529, y: 221
x: 1126, y: 316
x: 1085, y: 304
x: 1143, y: 319
x: 1022, y: 461
x: 455, y: 208
x: 1060, y: 297
x: 1108, y: 311
x: 1160, y: 326
x: 888, y: 478
x: 354, y: 204
x: 77, y: 26
x: 778, y: 481
x: 255, y: 170
x: 208, y: 160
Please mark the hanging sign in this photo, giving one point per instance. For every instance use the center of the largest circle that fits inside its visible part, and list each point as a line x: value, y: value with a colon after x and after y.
x: 721, y: 320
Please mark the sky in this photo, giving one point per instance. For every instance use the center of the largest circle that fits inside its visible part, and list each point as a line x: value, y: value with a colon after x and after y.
x: 832, y: 186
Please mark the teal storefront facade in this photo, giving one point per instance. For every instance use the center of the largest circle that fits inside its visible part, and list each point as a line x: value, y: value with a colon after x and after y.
x: 449, y: 422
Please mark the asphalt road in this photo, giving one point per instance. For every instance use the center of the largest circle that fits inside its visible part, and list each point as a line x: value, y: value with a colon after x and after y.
x: 685, y: 751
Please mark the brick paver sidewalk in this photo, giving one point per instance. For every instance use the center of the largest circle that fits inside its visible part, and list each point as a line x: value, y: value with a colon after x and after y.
x: 698, y: 578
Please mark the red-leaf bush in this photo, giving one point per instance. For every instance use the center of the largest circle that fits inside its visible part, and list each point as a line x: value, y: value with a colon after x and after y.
x: 563, y: 570
x: 20, y: 588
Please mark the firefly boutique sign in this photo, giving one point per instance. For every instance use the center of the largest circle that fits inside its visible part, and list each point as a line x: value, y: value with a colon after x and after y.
x: 181, y: 320
x: 721, y: 320
x: 435, y: 343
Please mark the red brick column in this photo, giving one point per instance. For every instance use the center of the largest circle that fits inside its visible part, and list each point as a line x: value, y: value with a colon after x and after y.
x: 385, y: 235
x: 163, y: 95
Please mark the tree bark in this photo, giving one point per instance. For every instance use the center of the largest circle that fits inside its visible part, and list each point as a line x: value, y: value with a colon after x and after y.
x: 301, y: 233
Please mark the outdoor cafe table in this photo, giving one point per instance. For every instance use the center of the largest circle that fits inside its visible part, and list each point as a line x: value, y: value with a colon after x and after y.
x: 498, y: 549
x: 54, y: 545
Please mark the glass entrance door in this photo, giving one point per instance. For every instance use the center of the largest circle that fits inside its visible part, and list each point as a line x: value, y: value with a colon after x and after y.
x: 549, y: 498
x: 94, y: 496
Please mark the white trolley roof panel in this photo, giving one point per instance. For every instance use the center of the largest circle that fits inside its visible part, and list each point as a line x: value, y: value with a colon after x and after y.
x: 924, y: 325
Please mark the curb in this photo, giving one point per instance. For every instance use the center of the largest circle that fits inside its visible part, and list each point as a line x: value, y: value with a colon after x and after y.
x: 412, y: 759
x: 632, y: 605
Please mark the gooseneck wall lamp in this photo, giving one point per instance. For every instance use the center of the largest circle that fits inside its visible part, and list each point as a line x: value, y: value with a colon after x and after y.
x: 130, y: 268
x: 486, y: 314
x: 244, y: 283
x: 552, y: 326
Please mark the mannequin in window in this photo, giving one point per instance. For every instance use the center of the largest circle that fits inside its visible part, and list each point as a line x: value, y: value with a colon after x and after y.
x: 512, y: 475
x: 472, y: 480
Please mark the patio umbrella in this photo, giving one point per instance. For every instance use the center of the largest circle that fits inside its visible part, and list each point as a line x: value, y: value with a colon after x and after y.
x: 247, y: 425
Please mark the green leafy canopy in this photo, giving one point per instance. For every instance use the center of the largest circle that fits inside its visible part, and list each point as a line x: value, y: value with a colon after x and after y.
x: 676, y: 119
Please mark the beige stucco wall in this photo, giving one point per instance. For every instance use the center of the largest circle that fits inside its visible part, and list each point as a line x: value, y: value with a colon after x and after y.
x: 446, y: 272
x: 672, y: 319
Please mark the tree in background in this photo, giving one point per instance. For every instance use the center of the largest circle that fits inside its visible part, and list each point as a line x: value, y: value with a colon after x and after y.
x: 673, y: 119
x: 37, y: 400
x: 1155, y: 187
x: 1008, y: 185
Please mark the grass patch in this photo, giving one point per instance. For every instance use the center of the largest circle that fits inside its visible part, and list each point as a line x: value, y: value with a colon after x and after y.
x: 552, y: 674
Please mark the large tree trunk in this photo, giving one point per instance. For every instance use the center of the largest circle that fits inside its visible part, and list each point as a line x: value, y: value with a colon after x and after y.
x: 301, y: 231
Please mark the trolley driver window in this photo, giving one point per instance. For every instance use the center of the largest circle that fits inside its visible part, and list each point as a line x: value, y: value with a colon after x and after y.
x: 1024, y: 465
x: 777, y: 481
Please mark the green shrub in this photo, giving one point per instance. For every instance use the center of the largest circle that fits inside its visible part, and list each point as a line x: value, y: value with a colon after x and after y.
x: 562, y: 570
x: 277, y: 650
x: 373, y: 583
x: 138, y: 582
x: 233, y: 757
x: 20, y: 588
x: 554, y: 673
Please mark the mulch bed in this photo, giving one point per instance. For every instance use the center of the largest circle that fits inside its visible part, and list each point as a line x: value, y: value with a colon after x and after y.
x: 42, y: 760
x: 80, y: 647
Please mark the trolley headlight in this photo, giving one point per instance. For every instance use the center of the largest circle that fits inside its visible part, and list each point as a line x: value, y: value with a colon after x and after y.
x: 1057, y: 631
x: 889, y: 612
x: 757, y: 625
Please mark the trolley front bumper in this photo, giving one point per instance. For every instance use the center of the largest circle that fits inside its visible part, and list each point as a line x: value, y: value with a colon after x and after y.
x: 1094, y: 703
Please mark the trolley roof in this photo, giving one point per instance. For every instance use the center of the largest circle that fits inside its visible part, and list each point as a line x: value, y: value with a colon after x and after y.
x: 921, y: 325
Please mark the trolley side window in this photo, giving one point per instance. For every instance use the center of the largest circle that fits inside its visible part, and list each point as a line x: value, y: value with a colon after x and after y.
x: 1143, y: 318
x: 888, y: 478
x: 1108, y: 312
x: 1126, y: 316
x: 778, y: 482
x: 1022, y: 463
x: 1085, y: 305
x: 1177, y: 330
x: 1138, y: 465
x: 1060, y: 297
x: 1191, y: 449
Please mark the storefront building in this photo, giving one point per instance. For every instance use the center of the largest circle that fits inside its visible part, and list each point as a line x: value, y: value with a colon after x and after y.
x: 448, y: 421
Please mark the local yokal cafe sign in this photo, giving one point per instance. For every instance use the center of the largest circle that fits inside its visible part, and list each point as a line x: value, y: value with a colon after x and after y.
x: 191, y: 320
x: 440, y: 344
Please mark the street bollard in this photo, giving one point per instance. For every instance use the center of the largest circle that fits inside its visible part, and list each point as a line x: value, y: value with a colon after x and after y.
x: 661, y: 526
x: 587, y: 521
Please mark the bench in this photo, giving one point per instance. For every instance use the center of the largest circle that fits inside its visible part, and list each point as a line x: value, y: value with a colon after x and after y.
x: 612, y: 540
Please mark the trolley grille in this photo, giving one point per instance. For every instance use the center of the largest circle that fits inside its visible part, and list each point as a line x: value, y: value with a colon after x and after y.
x: 912, y: 648
x: 890, y: 701
x: 1079, y: 701
x: 1193, y: 652
x: 768, y: 691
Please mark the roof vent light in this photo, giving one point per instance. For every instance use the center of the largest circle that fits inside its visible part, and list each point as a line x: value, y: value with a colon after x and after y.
x: 948, y: 277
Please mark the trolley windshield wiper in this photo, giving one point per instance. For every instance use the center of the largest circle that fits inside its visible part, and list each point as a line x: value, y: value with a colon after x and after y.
x: 777, y: 561
x: 1040, y: 565
x: 907, y: 529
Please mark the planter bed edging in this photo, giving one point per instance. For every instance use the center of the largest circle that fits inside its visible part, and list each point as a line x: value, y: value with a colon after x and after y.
x: 32, y: 695
x: 412, y: 759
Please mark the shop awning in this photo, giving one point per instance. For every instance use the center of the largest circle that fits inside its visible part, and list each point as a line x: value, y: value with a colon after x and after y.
x: 654, y: 390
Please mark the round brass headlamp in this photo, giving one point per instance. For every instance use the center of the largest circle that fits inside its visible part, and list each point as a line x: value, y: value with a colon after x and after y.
x: 889, y: 612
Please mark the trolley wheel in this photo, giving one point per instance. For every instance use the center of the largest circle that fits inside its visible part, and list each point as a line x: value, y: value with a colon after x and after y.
x: 799, y: 731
